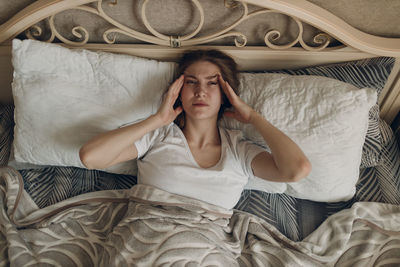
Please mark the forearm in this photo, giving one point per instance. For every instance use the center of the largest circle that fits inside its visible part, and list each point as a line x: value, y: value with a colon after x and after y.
x: 118, y: 145
x: 288, y: 157
x: 103, y: 149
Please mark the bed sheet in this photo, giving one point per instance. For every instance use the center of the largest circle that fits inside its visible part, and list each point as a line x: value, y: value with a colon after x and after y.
x: 295, y: 218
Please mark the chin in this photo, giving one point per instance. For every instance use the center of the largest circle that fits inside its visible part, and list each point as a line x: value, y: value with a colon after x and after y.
x: 204, y: 116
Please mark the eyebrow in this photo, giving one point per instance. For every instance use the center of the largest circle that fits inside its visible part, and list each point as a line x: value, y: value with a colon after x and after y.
x: 208, y: 77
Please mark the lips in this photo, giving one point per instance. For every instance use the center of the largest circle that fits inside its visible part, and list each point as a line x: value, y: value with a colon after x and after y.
x: 200, y: 104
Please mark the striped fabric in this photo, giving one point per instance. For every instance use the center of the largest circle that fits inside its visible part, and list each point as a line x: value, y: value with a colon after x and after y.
x: 52, y: 184
x: 372, y: 72
x: 6, y: 132
x: 295, y: 218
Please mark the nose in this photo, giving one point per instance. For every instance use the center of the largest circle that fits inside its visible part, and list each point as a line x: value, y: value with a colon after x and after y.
x: 200, y: 90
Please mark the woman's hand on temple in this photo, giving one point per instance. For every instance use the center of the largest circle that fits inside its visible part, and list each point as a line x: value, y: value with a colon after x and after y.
x: 166, y: 112
x: 241, y: 111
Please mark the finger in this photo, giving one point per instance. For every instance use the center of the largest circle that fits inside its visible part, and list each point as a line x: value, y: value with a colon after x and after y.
x: 179, y: 87
x: 223, y: 85
x: 175, y: 88
x: 230, y: 89
x: 226, y: 88
x: 178, y: 110
x: 222, y: 82
x: 178, y: 84
x: 172, y: 99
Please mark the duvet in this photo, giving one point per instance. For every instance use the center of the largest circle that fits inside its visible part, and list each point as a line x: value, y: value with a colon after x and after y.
x: 145, y: 226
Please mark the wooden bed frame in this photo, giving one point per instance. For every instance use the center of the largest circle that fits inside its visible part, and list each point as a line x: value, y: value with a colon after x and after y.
x: 356, y: 44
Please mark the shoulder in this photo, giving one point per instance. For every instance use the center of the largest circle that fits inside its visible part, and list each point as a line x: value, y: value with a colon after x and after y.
x: 232, y: 138
x: 167, y: 128
x: 232, y: 135
x: 237, y: 139
x: 170, y: 130
x: 160, y: 133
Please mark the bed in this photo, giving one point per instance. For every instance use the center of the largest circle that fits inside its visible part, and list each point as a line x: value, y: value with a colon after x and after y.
x: 56, y: 212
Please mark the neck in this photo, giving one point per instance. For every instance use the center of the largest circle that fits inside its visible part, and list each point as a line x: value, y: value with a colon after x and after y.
x: 201, y: 133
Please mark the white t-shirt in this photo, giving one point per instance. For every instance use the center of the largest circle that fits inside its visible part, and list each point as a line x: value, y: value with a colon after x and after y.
x: 166, y: 162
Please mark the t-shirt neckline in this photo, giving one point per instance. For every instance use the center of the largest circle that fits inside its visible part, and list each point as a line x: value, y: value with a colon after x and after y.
x: 190, y: 154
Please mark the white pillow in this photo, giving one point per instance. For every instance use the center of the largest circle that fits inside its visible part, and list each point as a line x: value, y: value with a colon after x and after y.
x: 327, y: 118
x: 63, y: 97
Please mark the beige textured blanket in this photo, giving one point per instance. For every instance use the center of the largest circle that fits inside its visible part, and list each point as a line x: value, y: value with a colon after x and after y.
x: 145, y: 226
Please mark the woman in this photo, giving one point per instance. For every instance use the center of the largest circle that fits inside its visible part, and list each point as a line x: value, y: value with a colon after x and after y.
x: 193, y: 156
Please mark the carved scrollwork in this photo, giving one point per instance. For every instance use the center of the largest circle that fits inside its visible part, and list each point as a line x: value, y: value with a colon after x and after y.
x: 78, y: 31
x: 35, y: 32
x: 321, y: 40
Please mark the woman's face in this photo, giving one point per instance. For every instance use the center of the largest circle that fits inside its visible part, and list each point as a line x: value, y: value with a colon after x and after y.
x: 201, y: 95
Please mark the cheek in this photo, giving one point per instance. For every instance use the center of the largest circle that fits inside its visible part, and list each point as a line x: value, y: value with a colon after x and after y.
x: 218, y: 96
x: 184, y: 95
x: 184, y: 91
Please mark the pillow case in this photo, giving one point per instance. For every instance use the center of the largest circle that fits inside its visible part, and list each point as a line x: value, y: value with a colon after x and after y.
x: 64, y: 97
x: 327, y: 118
x: 371, y: 73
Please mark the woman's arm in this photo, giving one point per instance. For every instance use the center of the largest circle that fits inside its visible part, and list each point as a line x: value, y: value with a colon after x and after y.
x: 287, y: 162
x: 118, y: 145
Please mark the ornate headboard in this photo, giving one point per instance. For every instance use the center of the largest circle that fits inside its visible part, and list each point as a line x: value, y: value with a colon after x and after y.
x: 259, y: 34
